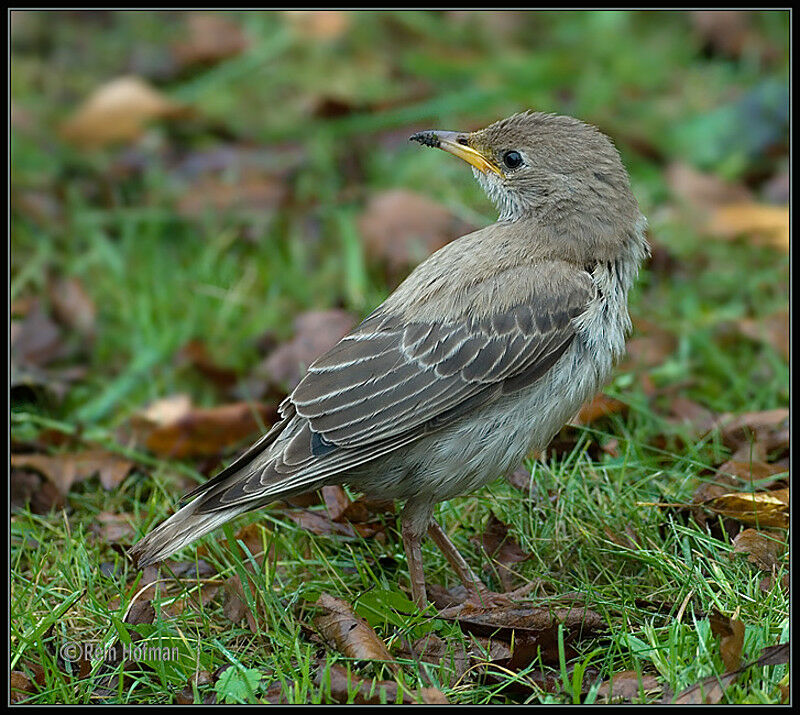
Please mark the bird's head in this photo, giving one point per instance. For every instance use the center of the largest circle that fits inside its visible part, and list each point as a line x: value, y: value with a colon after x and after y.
x: 557, y: 170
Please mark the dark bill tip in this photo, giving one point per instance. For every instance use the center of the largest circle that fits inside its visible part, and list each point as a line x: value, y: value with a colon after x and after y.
x: 428, y: 138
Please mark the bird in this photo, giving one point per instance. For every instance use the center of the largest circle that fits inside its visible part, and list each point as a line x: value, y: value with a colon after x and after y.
x: 478, y: 357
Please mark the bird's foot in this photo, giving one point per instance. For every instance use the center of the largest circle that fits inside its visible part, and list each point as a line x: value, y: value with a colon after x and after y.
x: 481, y: 599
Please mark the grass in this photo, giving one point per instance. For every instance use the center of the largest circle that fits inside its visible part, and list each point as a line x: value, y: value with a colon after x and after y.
x: 160, y: 279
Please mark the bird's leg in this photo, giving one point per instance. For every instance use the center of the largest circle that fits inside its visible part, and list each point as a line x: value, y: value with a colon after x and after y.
x: 476, y: 589
x: 415, y: 519
x: 471, y: 582
x: 478, y: 594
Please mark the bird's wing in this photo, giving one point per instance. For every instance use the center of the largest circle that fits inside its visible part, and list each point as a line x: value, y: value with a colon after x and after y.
x: 390, y: 377
x: 391, y: 381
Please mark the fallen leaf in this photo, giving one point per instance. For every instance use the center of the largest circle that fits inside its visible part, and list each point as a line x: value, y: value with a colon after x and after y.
x: 520, y: 478
x: 350, y: 634
x: 336, y: 501
x: 774, y: 655
x: 169, y: 429
x: 707, y: 692
x: 772, y: 330
x: 118, y: 112
x: 726, y: 32
x: 649, y: 347
x: 64, y: 469
x: 702, y: 190
x: 502, y: 549
x: 249, y: 192
x: 600, y: 406
x: 699, y: 420
x: 751, y: 470
x: 315, y: 332
x: 711, y: 690
x: 234, y: 607
x: 627, y: 686
x: 20, y: 686
x: 318, y: 24
x: 34, y: 338
x: 400, y: 228
x: 195, y: 353
x: 731, y: 633
x: 770, y: 428
x: 209, y: 39
x: 539, y: 625
x: 321, y: 524
x: 111, y: 527
x: 756, y: 508
x: 761, y: 549
x: 28, y: 488
x: 761, y: 223
x: 73, y: 306
x: 346, y: 687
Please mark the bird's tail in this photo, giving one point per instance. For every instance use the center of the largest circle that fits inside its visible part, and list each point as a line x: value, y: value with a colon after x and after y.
x: 181, y: 529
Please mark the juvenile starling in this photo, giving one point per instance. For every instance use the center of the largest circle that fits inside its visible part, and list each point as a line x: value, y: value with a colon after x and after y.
x: 478, y: 357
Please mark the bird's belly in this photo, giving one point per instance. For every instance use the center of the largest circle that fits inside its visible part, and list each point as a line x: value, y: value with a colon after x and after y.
x: 494, y: 439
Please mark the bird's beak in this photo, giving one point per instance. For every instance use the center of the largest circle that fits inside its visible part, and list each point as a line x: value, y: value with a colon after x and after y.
x: 457, y: 143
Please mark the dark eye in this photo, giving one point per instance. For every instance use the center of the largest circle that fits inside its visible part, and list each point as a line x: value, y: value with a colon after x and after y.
x: 512, y: 159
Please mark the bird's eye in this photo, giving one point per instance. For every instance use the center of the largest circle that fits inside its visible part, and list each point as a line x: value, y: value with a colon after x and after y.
x: 512, y: 159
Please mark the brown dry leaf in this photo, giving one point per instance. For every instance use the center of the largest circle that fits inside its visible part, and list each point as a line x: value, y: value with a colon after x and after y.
x: 731, y: 633
x: 28, y: 488
x: 166, y: 410
x: 770, y: 428
x: 520, y: 478
x: 750, y: 470
x: 118, y: 112
x: 761, y: 549
x: 63, y: 470
x: 34, y: 338
x: 627, y: 686
x: 649, y: 347
x: 503, y: 549
x: 600, y: 406
x: 724, y: 31
x: 195, y: 353
x: 756, y: 508
x: 772, y: 330
x: 699, y: 420
x: 318, y: 24
x: 400, y: 228
x: 20, y: 686
x: 762, y: 223
x: 315, y: 332
x: 252, y: 191
x: 707, y: 692
x: 234, y: 607
x: 169, y: 429
x: 350, y: 634
x: 347, y: 687
x: 359, y: 511
x: 539, y: 625
x: 210, y: 39
x: 322, y: 525
x: 111, y: 527
x: 336, y: 501
x: 703, y: 190
x: 73, y: 306
x: 711, y: 690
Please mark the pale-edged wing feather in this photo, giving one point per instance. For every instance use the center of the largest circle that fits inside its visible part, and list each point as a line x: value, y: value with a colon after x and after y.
x: 392, y: 381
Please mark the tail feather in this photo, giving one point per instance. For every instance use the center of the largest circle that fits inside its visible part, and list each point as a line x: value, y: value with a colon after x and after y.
x: 181, y: 529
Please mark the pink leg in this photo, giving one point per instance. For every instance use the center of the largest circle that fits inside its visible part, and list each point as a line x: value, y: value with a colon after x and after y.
x: 415, y: 519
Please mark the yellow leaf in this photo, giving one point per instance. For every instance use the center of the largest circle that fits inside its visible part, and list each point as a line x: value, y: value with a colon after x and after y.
x: 118, y: 112
x: 763, y: 222
x: 758, y: 509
